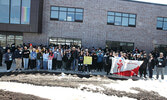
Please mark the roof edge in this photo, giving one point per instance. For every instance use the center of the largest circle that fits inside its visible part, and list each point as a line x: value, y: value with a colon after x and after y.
x: 145, y: 2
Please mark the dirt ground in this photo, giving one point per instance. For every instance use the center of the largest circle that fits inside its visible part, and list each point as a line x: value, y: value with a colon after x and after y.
x: 72, y: 81
x: 6, y: 95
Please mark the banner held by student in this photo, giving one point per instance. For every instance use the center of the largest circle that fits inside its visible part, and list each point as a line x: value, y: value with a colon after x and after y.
x: 124, y: 67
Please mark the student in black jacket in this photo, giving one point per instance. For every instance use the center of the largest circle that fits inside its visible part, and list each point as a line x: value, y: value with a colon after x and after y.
x: 151, y: 64
x: 18, y: 58
x: 143, y: 68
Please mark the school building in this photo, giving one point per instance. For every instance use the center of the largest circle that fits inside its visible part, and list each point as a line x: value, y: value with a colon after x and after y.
x: 117, y: 24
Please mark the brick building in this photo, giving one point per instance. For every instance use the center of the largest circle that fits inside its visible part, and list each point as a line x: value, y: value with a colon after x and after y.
x: 117, y: 24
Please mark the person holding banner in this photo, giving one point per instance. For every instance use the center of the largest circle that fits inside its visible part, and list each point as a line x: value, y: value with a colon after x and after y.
x: 143, y: 67
x: 87, y: 61
x: 109, y: 62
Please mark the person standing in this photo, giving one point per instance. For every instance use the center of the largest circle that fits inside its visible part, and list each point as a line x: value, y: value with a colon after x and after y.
x: 26, y: 54
x: 80, y: 61
x: 161, y: 62
x: 59, y: 58
x: 45, y: 59
x: 151, y: 65
x: 39, y: 59
x: 74, y: 57
x: 54, y: 59
x: 99, y: 61
x: 94, y: 61
x: 33, y: 57
x: 18, y: 58
x: 51, y: 55
x: 1, y: 55
x: 143, y: 68
x: 109, y: 62
x: 8, y: 59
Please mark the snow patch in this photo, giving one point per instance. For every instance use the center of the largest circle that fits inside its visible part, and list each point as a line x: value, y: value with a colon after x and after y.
x: 159, y: 86
x: 56, y: 93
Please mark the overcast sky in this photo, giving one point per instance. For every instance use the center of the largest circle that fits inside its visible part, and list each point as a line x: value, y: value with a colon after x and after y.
x: 154, y: 1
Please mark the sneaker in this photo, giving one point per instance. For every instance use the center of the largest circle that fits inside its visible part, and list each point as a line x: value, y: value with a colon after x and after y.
x: 8, y: 71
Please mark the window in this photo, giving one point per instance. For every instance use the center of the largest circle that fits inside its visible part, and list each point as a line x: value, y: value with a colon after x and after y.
x: 162, y: 23
x: 66, y: 14
x: 65, y: 41
x: 121, y: 19
x: 122, y: 46
x: 25, y: 12
x: 15, y: 11
x: 10, y: 38
x: 4, y: 11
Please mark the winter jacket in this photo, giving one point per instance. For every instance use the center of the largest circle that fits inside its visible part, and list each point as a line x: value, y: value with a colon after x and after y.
x: 26, y: 53
x: 161, y: 62
x: 45, y: 56
x: 99, y: 58
x: 18, y: 54
x: 151, y: 64
x: 33, y: 55
x: 39, y: 56
x: 8, y: 57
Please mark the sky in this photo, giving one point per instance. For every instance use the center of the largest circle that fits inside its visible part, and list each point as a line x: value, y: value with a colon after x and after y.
x: 154, y: 1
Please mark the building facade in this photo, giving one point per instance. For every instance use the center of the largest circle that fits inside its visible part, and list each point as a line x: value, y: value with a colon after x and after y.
x: 117, y: 24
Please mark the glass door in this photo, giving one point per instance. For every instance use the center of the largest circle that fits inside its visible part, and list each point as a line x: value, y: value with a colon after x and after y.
x: 10, y: 39
x: 2, y: 40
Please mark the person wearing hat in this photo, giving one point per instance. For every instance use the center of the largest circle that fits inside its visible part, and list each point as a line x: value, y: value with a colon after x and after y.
x: 18, y: 58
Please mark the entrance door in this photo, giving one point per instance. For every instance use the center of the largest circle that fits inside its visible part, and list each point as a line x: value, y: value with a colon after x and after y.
x: 10, y: 39
x: 2, y: 40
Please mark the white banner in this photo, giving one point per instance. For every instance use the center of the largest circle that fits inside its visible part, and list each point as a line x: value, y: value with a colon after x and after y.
x: 123, y: 67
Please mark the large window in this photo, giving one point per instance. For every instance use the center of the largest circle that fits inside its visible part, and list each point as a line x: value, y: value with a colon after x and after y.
x: 15, y: 11
x: 121, y: 19
x: 66, y: 14
x: 162, y: 23
x: 4, y: 11
x: 65, y: 41
x: 121, y: 46
x: 25, y: 12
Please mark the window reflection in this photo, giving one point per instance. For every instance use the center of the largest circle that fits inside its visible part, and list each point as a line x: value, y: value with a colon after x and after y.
x: 25, y: 16
x: 15, y: 12
x: 66, y: 14
x: 162, y: 23
x: 122, y: 19
x: 4, y: 11
x: 19, y: 11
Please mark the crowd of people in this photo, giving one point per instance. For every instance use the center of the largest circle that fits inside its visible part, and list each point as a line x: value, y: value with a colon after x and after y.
x: 72, y: 58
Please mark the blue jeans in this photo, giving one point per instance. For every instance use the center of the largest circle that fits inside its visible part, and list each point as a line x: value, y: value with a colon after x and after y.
x: 45, y: 64
x: 75, y: 65
x: 39, y: 64
x: 26, y: 60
